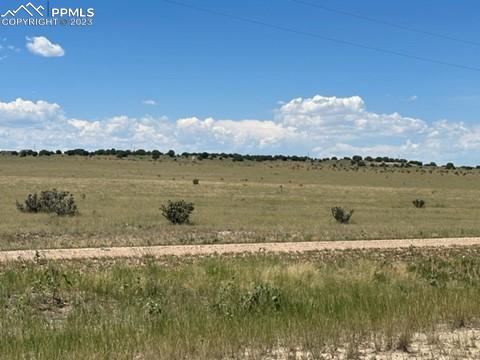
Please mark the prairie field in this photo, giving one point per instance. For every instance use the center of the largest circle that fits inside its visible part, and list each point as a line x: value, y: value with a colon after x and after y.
x: 247, y: 201
x: 354, y: 304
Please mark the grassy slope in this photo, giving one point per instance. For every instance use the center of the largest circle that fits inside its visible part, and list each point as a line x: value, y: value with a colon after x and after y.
x: 219, y: 307
x: 243, y: 201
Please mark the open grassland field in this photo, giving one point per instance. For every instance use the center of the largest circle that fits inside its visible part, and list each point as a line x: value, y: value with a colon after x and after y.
x: 119, y: 200
x: 352, y: 304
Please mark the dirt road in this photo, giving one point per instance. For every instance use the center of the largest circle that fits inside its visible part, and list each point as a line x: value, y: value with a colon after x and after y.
x: 182, y: 250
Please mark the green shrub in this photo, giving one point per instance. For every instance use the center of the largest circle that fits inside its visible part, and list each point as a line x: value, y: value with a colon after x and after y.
x: 177, y: 212
x: 262, y: 297
x: 49, y: 201
x: 342, y: 216
x: 232, y: 300
x: 419, y: 203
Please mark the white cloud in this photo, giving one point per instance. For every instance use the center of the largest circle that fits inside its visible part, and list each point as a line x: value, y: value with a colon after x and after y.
x: 149, y: 102
x: 242, y: 135
x: 21, y: 112
x: 123, y: 132
x: 318, y: 126
x: 40, y: 45
x: 413, y: 98
x: 344, y: 117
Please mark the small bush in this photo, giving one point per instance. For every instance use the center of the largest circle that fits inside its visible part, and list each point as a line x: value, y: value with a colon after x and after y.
x: 177, y: 212
x: 262, y: 297
x: 418, y: 203
x: 50, y: 201
x: 234, y: 301
x: 342, y: 216
x: 196, y: 181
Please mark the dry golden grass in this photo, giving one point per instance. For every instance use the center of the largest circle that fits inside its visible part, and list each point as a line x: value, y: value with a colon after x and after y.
x: 235, y: 201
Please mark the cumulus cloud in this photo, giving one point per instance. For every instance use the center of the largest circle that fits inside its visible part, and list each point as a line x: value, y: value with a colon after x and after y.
x: 19, y: 112
x: 40, y: 45
x: 123, y: 131
x: 345, y: 117
x: 243, y: 135
x: 317, y: 126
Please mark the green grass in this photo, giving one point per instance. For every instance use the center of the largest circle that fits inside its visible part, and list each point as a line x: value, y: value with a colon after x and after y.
x: 234, y: 201
x: 220, y: 307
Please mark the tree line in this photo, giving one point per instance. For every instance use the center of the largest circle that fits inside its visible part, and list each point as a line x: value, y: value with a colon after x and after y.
x: 156, y: 154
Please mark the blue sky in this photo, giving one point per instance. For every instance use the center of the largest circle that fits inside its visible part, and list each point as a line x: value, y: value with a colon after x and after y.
x: 196, y: 65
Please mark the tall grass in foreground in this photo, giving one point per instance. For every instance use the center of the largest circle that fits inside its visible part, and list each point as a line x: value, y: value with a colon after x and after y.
x: 227, y: 307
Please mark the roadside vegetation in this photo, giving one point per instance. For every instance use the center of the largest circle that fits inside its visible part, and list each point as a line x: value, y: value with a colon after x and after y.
x: 235, y: 307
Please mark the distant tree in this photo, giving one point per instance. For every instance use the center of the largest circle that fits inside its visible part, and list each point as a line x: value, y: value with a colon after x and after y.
x: 156, y: 154
x: 80, y: 152
x: 238, y: 157
x: 121, y: 154
x: 414, y: 162
x: 140, y: 152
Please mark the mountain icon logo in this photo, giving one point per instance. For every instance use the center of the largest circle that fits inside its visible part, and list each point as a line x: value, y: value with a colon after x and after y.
x: 29, y: 8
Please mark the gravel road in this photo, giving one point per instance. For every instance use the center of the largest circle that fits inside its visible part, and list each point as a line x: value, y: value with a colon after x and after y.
x: 184, y: 250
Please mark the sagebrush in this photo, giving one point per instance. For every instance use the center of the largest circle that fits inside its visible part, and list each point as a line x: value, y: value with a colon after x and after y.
x: 49, y: 201
x: 419, y: 203
x: 177, y: 212
x: 341, y: 215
